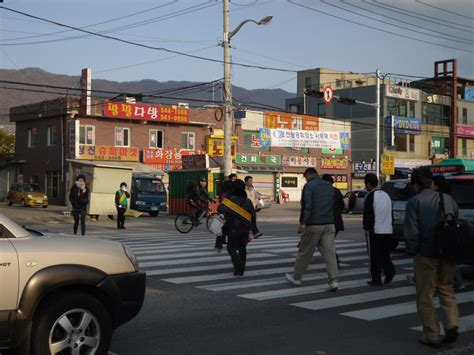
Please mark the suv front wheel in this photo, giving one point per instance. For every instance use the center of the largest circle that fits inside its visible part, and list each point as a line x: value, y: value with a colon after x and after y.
x: 76, y: 323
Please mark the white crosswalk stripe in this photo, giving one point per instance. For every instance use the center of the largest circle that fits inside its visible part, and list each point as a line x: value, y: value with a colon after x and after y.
x: 190, y: 259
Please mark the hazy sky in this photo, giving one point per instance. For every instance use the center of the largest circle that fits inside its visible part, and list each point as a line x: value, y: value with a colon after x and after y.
x: 321, y: 34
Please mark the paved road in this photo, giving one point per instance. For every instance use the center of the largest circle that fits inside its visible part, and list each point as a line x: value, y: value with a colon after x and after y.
x: 194, y: 304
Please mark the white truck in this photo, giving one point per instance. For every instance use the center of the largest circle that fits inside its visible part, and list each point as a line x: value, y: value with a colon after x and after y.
x: 64, y: 295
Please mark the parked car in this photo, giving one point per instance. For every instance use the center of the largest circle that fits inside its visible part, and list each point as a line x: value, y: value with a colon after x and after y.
x: 354, y: 201
x: 27, y: 195
x: 400, y: 191
x: 64, y: 295
x: 263, y: 201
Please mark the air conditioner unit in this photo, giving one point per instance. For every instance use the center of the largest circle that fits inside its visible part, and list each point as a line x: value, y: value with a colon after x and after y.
x: 183, y: 105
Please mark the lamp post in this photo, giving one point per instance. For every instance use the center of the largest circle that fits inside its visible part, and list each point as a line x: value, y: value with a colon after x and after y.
x: 227, y: 85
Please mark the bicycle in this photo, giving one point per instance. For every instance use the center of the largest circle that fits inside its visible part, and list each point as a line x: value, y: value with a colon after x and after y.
x: 185, y: 222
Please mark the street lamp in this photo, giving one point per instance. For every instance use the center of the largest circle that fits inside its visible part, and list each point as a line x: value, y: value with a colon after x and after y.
x: 227, y: 86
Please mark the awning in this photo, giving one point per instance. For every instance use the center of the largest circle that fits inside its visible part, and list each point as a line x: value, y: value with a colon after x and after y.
x: 261, y: 168
x: 135, y: 166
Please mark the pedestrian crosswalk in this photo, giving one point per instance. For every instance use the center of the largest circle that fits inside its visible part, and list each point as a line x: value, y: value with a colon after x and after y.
x: 191, y: 260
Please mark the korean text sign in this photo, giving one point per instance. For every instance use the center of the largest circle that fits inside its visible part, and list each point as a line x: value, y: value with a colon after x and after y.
x: 258, y: 159
x: 303, y: 139
x: 291, y: 121
x: 146, y: 112
x: 103, y: 152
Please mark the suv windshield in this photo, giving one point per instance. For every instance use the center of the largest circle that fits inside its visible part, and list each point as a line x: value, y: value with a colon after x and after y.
x: 149, y: 186
x: 463, y: 193
x: 399, y: 190
x: 31, y: 188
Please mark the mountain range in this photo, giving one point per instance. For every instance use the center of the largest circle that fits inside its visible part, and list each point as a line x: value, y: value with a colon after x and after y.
x: 52, y: 85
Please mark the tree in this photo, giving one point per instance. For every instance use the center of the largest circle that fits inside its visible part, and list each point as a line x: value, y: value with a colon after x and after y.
x: 7, y: 145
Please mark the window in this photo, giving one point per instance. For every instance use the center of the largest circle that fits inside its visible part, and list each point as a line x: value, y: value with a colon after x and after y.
x: 32, y: 137
x: 401, y: 142
x: 307, y: 83
x: 53, y: 181
x: 464, y: 116
x: 156, y: 138
x: 397, y: 107
x: 412, y: 142
x: 87, y: 135
x: 188, y: 140
x: 412, y: 109
x: 122, y: 137
x: 52, y: 135
x: 436, y: 114
x: 464, y: 146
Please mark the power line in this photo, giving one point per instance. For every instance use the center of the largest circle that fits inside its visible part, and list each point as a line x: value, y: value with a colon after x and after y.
x: 459, y: 39
x: 147, y: 46
x: 377, y: 29
x: 414, y: 14
x: 444, y: 10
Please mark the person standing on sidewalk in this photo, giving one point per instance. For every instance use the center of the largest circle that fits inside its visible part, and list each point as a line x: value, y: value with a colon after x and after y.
x: 316, y: 228
x: 377, y: 223
x: 121, y: 202
x: 79, y: 198
x: 338, y: 207
x: 434, y: 274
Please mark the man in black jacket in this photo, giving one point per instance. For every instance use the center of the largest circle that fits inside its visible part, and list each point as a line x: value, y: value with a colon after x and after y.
x: 434, y: 274
x: 377, y: 222
x: 79, y: 198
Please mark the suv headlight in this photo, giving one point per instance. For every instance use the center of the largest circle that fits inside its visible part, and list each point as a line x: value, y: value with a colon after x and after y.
x: 45, y: 197
x: 131, y: 256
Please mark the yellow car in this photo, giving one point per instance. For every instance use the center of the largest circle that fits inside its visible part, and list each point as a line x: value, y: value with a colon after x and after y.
x: 27, y: 195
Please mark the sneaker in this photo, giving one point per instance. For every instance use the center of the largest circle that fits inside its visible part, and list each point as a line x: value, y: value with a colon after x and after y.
x: 411, y: 279
x: 333, y: 286
x: 291, y: 280
x: 428, y: 342
x: 258, y: 235
x: 459, y: 287
x: 451, y: 335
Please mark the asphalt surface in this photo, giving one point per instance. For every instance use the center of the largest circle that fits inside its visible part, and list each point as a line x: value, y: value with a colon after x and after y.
x: 194, y: 305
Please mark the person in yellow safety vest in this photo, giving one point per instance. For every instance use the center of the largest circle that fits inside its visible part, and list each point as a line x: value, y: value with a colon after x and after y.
x: 239, y: 215
x: 121, y: 202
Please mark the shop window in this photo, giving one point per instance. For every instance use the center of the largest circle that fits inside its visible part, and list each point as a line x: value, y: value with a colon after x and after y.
x: 401, y: 142
x: 87, y: 135
x: 307, y: 83
x: 188, y: 140
x: 464, y: 146
x: 464, y: 115
x: 32, y: 137
x: 52, y: 135
x: 156, y: 138
x: 412, y: 142
x: 53, y: 181
x: 435, y: 114
x: 122, y: 137
x: 397, y: 107
x: 412, y: 109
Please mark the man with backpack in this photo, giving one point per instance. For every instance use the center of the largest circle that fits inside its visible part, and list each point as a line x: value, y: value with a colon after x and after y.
x: 434, y: 273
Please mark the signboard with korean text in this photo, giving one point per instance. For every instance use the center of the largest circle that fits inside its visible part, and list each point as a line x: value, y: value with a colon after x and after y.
x: 297, y: 149
x: 296, y: 161
x: 166, y: 156
x: 361, y: 168
x: 291, y: 121
x: 465, y: 131
x: 146, y: 112
x: 258, y: 159
x: 104, y: 152
x: 289, y: 181
x: 344, y: 140
x: 215, y: 146
x: 304, y: 139
x: 73, y: 138
x: 198, y: 161
x: 437, y: 145
x: 252, y: 141
x: 337, y: 164
x: 469, y: 94
x: 340, y: 181
x: 401, y: 92
x: 335, y: 151
x: 388, y: 164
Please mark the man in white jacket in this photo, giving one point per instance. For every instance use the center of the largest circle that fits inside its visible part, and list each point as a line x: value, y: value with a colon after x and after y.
x: 250, y: 190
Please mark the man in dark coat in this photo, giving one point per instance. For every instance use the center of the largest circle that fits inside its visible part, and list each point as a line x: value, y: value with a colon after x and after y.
x: 79, y: 198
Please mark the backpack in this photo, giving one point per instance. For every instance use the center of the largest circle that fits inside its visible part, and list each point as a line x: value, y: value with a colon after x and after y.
x: 190, y: 190
x: 455, y: 237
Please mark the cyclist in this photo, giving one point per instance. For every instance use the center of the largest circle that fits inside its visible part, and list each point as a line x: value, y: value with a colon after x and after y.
x: 199, y: 199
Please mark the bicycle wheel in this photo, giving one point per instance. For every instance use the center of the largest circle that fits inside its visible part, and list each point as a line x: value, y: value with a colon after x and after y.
x: 183, y: 223
x: 209, y: 220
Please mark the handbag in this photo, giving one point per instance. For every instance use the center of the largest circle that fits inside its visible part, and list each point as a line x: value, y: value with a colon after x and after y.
x: 216, y: 224
x: 455, y: 237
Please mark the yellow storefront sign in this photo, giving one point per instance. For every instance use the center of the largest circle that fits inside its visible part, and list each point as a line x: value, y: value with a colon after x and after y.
x: 215, y: 146
x: 104, y: 152
x: 388, y: 164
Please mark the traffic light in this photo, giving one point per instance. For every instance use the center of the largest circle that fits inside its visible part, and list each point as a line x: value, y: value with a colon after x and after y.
x: 314, y: 93
x: 346, y: 101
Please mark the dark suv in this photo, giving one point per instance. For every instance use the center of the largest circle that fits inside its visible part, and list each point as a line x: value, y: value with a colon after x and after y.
x: 400, y: 191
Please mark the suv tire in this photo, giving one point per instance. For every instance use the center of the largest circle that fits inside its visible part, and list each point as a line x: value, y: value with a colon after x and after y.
x: 67, y: 311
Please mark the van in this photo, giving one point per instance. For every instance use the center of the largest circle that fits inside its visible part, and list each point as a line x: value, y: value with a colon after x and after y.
x: 148, y: 194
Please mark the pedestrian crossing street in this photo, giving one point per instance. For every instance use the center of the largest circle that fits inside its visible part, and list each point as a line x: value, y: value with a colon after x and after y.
x: 191, y: 260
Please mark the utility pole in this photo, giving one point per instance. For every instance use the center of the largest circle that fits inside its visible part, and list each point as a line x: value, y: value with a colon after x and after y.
x: 227, y: 95
x: 377, y: 93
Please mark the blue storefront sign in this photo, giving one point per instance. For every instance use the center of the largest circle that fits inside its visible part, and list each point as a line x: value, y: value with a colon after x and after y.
x: 469, y: 94
x: 400, y: 125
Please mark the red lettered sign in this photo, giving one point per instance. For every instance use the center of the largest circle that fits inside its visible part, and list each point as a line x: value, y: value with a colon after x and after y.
x: 146, y: 112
